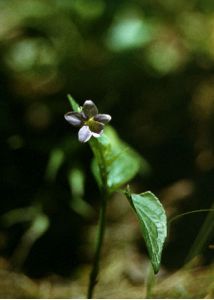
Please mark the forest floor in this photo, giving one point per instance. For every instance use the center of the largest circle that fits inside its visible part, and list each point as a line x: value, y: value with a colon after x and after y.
x: 115, y: 282
x: 124, y: 270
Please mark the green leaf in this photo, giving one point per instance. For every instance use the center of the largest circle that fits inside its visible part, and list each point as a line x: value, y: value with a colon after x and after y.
x: 56, y: 159
x: 153, y: 223
x: 115, y: 162
x: 74, y: 105
x: 19, y: 215
x: 76, y: 181
x: 39, y: 226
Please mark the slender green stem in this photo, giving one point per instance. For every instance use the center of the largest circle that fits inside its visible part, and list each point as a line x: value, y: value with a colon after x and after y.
x: 100, y: 237
x: 204, y: 232
x: 189, y: 213
x: 150, y: 282
x: 203, y: 236
x: 98, y: 153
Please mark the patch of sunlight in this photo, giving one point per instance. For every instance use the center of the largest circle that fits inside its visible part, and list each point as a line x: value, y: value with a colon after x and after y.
x: 164, y: 58
x: 129, y: 33
x: 25, y: 54
x: 193, y: 25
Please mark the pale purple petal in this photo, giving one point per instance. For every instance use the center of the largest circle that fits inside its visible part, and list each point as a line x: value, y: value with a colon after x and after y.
x: 84, y: 134
x: 74, y: 118
x: 103, y: 118
x: 89, y: 109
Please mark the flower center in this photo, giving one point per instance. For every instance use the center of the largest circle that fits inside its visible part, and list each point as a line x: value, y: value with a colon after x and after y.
x: 89, y: 122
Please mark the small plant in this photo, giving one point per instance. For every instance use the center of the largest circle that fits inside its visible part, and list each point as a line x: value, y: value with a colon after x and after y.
x: 115, y: 164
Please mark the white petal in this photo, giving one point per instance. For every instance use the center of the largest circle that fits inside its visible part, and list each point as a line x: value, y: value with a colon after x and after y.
x: 96, y: 135
x: 84, y: 134
x: 73, y: 118
x: 103, y: 118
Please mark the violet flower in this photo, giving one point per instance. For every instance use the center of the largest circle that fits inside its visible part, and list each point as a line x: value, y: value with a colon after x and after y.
x: 91, y: 122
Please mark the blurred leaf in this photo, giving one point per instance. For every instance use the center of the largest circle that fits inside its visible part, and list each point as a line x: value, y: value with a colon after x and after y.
x: 165, y: 57
x: 31, y: 54
x: 90, y: 9
x: 115, y: 163
x: 77, y: 179
x: 19, y: 215
x: 38, y: 227
x: 153, y: 223
x: 76, y: 182
x: 55, y: 161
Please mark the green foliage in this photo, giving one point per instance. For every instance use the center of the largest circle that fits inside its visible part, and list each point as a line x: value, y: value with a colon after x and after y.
x: 39, y: 225
x: 75, y: 106
x: 115, y: 162
x: 76, y: 180
x: 19, y: 215
x: 148, y: 65
x: 153, y: 223
x: 56, y: 159
x: 204, y: 235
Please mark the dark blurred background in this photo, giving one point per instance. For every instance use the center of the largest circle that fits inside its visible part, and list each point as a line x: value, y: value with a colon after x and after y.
x: 150, y: 64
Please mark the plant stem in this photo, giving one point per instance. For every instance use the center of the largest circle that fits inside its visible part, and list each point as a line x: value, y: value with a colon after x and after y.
x: 190, y: 212
x: 150, y: 282
x: 100, y: 237
x: 203, y: 236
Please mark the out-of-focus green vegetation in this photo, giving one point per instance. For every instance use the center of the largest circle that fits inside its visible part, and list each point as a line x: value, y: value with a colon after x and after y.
x: 149, y: 64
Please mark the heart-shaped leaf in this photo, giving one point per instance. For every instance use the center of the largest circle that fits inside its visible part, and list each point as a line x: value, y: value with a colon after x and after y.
x: 153, y: 223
